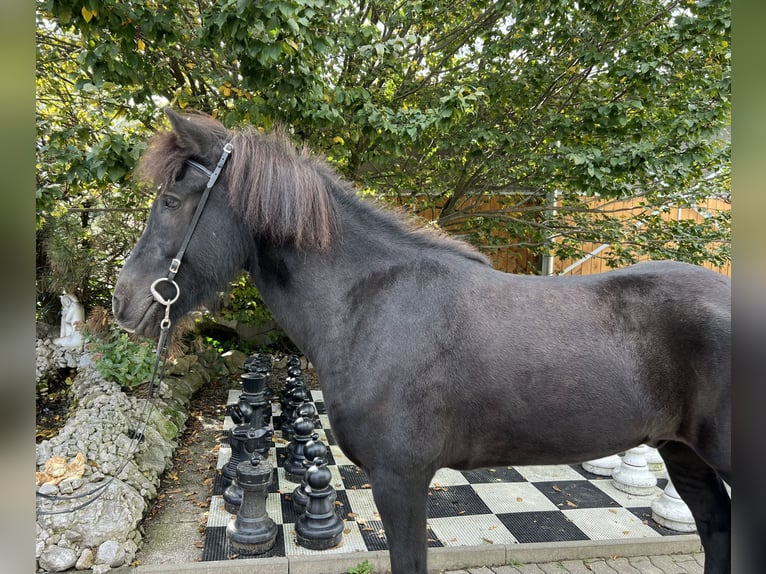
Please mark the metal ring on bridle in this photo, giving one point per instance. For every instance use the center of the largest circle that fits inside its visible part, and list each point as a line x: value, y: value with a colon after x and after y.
x: 159, y: 298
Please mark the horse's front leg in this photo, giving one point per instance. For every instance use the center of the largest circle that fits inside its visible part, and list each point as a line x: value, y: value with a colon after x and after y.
x: 402, y: 503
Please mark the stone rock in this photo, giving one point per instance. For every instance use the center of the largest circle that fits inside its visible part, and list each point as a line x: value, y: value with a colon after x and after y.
x: 69, y: 485
x: 167, y: 429
x: 234, y: 360
x: 57, y: 559
x: 101, y: 569
x: 48, y: 489
x: 73, y: 536
x: 86, y: 560
x: 181, y: 365
x: 130, y: 551
x: 110, y: 552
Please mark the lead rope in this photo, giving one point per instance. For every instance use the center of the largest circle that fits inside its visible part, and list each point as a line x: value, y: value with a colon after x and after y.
x: 162, y: 344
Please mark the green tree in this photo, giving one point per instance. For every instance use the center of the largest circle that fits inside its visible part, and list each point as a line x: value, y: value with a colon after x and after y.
x: 427, y: 104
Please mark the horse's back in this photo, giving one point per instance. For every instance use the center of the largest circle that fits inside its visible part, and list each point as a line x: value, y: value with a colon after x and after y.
x: 648, y: 346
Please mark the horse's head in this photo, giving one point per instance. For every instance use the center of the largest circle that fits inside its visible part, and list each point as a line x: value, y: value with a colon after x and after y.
x: 180, y: 163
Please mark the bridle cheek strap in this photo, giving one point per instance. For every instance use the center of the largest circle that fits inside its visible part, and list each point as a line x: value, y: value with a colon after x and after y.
x: 213, y: 177
x: 176, y: 262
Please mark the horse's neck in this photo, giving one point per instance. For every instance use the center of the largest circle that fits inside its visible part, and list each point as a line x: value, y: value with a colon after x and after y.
x: 307, y: 291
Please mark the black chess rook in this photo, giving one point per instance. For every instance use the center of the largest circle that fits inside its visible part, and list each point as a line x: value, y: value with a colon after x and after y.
x: 252, y: 531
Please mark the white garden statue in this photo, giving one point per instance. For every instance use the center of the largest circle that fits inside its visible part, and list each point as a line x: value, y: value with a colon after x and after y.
x: 72, y: 316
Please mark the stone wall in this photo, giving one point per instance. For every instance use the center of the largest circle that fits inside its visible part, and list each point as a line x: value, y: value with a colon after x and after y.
x: 127, y: 443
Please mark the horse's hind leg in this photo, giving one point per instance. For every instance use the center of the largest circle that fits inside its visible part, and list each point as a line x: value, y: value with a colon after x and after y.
x: 402, y: 503
x: 702, y: 490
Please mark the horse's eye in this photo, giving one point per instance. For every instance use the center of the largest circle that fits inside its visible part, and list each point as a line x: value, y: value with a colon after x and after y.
x: 170, y: 202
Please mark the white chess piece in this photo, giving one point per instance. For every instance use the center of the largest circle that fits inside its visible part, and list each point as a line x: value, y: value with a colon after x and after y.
x: 655, y: 462
x: 633, y: 475
x: 602, y: 466
x: 72, y: 316
x: 671, y: 512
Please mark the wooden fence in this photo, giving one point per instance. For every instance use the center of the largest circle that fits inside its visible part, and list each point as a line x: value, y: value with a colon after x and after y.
x: 518, y: 259
x: 595, y: 260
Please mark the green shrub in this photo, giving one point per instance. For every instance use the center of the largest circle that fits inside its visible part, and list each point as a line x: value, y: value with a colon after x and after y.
x: 117, y: 358
x: 244, y: 303
x: 361, y: 568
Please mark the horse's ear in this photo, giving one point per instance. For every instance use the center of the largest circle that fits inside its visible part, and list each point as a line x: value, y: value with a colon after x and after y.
x: 191, y: 135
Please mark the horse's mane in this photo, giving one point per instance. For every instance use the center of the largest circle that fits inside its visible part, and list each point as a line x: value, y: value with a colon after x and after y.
x: 284, y: 193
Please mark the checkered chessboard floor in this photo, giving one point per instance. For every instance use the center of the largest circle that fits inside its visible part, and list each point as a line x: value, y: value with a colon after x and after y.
x: 502, y: 505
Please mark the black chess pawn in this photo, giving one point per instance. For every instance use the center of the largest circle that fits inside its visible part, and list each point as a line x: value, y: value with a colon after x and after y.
x: 304, y: 432
x: 319, y: 527
x: 252, y: 531
x: 312, y: 450
x: 308, y: 410
x: 294, y: 370
x: 294, y: 361
x: 297, y: 398
x: 291, y: 384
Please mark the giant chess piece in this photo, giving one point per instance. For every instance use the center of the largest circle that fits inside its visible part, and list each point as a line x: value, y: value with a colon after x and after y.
x: 312, y: 450
x: 654, y: 462
x: 304, y: 432
x: 250, y: 364
x: 308, y: 410
x: 245, y: 441
x: 252, y: 531
x: 294, y: 381
x: 671, y: 512
x: 249, y: 442
x: 603, y: 466
x: 258, y: 363
x: 240, y: 412
x: 253, y: 406
x: 633, y: 475
x: 297, y: 398
x: 72, y: 318
x: 319, y: 527
x: 256, y: 394
x: 232, y: 497
x: 294, y: 362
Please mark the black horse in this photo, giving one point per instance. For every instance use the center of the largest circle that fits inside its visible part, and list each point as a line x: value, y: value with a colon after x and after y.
x: 427, y: 356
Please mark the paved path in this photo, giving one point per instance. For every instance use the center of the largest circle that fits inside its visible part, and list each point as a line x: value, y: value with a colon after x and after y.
x: 661, y: 564
x: 648, y: 564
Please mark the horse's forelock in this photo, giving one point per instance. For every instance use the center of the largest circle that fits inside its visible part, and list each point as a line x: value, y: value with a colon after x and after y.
x: 279, y: 191
x: 167, y: 152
